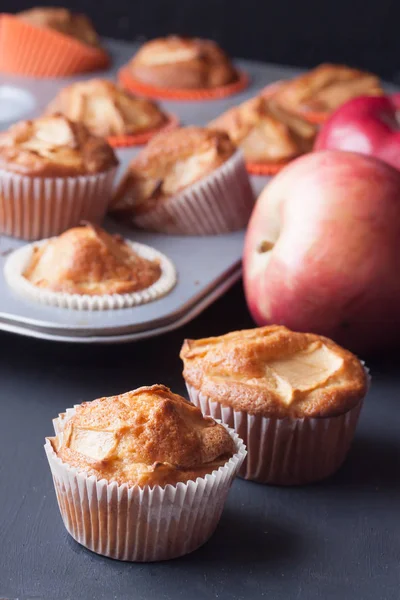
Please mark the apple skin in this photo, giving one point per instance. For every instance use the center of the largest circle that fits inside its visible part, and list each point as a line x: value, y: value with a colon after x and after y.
x: 367, y: 124
x: 332, y: 222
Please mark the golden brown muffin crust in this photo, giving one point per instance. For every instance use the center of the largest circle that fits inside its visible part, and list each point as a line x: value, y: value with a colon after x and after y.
x: 275, y: 372
x: 107, y: 109
x: 54, y: 146
x: 178, y: 62
x: 265, y: 131
x: 326, y: 87
x: 64, y: 21
x: 170, y: 162
x: 148, y: 436
x: 88, y: 260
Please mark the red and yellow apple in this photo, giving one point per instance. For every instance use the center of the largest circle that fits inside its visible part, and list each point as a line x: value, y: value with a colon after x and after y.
x: 367, y: 124
x: 322, y: 250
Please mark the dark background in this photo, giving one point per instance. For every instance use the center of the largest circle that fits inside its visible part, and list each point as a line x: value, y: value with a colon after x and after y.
x: 362, y: 33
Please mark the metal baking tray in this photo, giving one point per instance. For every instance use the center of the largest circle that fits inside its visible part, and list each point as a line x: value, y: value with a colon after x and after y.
x: 206, y: 266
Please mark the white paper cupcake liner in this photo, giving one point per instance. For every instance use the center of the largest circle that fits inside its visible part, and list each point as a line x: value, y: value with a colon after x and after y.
x: 141, y: 524
x: 286, y: 451
x: 219, y: 203
x: 32, y: 208
x: 18, y: 261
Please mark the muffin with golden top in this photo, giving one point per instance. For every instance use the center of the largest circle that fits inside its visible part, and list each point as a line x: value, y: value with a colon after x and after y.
x: 189, y: 181
x: 53, y: 174
x: 87, y: 268
x: 268, y: 135
x: 159, y: 470
x: 50, y: 42
x: 294, y: 397
x: 75, y: 25
x: 108, y: 110
x: 184, y: 68
x: 318, y: 93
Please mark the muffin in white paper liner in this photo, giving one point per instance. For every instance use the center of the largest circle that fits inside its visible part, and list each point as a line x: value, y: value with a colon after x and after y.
x: 18, y: 261
x: 219, y: 203
x: 33, y: 208
x: 140, y: 524
x: 288, y: 451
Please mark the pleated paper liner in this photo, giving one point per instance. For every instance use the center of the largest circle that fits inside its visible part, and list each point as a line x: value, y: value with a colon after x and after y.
x: 139, y: 139
x: 42, y: 52
x: 151, y: 91
x: 33, y: 208
x: 289, y: 451
x: 141, y: 524
x: 18, y: 261
x: 219, y: 203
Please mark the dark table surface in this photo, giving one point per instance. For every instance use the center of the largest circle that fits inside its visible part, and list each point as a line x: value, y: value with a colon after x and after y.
x: 337, y: 540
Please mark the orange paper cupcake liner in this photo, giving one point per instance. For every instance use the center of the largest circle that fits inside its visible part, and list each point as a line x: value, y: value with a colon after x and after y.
x: 121, y: 141
x: 271, y: 168
x: 151, y: 91
x: 40, y: 52
x: 316, y: 118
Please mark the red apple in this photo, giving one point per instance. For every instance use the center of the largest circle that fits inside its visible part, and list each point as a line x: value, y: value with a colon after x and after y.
x: 367, y: 124
x: 322, y: 250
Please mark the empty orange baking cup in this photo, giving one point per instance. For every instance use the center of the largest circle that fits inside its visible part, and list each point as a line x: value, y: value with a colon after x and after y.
x: 41, y: 52
x: 121, y: 141
x: 265, y: 168
x: 151, y: 91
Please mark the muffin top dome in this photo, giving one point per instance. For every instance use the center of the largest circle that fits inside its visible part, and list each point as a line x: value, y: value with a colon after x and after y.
x: 107, y: 109
x: 54, y: 146
x: 265, y: 131
x: 275, y: 372
x: 88, y: 260
x: 325, y: 88
x: 179, y: 62
x: 169, y: 163
x: 148, y: 436
x: 64, y: 21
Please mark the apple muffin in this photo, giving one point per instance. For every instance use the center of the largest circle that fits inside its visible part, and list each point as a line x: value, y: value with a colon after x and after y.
x: 107, y: 109
x: 87, y: 268
x: 319, y: 92
x: 188, y: 181
x: 143, y: 454
x: 75, y: 25
x: 266, y: 133
x: 183, y: 63
x: 53, y: 174
x: 88, y: 260
x: 294, y: 397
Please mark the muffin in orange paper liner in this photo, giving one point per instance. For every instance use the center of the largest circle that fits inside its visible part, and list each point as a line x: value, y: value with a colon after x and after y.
x: 316, y: 94
x: 142, y: 476
x: 269, y: 136
x: 294, y: 398
x: 140, y: 139
x: 110, y: 111
x: 178, y: 68
x: 190, y: 181
x: 86, y: 268
x: 42, y: 51
x: 53, y: 175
